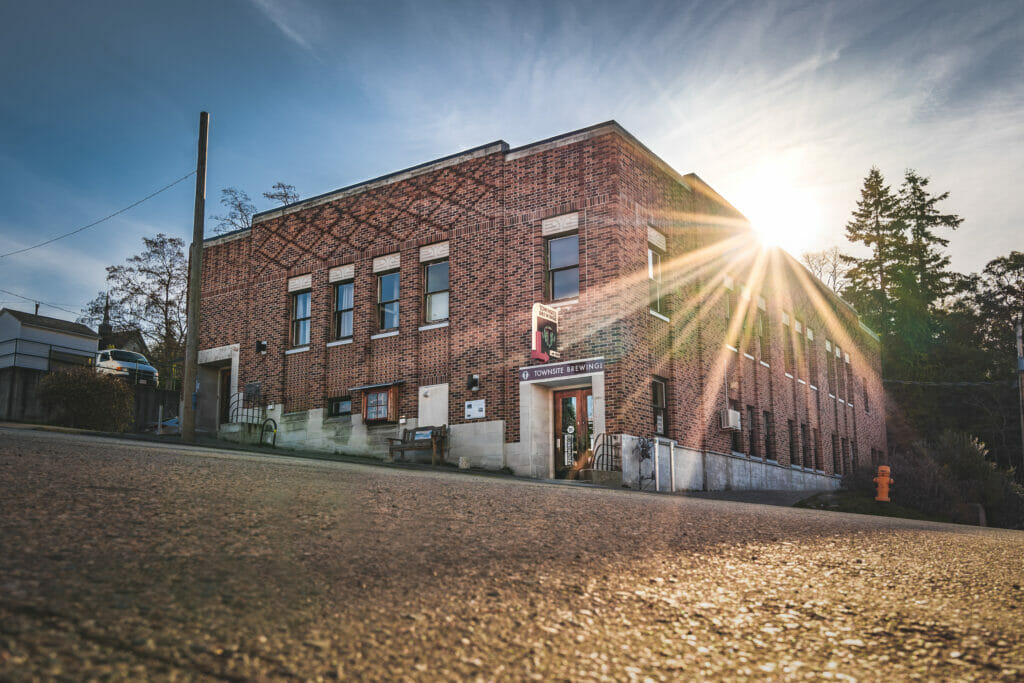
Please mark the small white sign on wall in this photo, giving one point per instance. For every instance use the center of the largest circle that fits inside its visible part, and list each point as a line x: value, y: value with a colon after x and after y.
x: 475, y: 409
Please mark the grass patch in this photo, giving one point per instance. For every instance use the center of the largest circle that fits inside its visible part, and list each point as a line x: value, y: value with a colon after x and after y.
x: 847, y: 501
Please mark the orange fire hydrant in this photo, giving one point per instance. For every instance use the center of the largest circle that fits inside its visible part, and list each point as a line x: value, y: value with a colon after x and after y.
x: 884, y: 481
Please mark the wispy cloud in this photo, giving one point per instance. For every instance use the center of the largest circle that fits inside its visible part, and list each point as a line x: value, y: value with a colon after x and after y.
x: 292, y: 20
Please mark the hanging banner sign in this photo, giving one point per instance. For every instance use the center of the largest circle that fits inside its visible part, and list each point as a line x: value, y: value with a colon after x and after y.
x: 544, y: 345
x: 560, y: 370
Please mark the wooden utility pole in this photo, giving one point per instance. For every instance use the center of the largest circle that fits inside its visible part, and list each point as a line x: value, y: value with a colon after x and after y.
x: 190, y: 388
x: 1020, y: 382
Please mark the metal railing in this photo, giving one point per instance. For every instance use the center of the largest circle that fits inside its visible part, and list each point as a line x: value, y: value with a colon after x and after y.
x: 607, y: 453
x: 25, y: 353
x: 247, y: 411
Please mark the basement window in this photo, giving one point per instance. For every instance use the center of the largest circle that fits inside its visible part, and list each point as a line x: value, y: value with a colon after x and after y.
x: 380, y: 405
x: 339, y: 406
x: 659, y: 400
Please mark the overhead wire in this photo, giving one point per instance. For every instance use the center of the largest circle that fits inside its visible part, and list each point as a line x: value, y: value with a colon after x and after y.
x: 105, y: 218
x: 37, y: 301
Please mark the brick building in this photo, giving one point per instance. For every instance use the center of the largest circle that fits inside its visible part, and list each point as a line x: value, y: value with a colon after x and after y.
x: 425, y: 297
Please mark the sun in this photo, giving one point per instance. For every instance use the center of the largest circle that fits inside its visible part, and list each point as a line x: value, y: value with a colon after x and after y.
x: 782, y: 212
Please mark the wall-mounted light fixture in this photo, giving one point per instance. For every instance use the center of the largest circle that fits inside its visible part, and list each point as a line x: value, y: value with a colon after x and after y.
x: 473, y: 382
x: 261, y: 347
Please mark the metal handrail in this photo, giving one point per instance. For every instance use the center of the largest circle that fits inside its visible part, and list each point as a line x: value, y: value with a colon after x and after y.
x: 607, y: 453
x: 239, y: 410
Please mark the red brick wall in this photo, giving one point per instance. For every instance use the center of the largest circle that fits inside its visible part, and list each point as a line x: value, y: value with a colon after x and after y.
x: 490, y: 209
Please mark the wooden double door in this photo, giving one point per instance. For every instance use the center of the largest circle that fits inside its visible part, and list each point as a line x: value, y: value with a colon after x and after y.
x: 574, y: 429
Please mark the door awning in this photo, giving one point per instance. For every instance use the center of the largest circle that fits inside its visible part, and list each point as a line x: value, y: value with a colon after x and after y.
x: 385, y: 385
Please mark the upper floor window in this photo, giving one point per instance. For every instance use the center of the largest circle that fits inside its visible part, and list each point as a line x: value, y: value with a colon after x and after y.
x: 830, y: 368
x: 812, y: 360
x: 435, y: 280
x: 654, y: 275
x: 789, y: 353
x: 563, y: 281
x: 387, y: 301
x: 762, y: 334
x: 867, y: 407
x: 660, y: 403
x: 300, y: 318
x: 343, y: 304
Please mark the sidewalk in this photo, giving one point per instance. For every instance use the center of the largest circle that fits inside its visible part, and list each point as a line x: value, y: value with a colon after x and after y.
x: 779, y: 498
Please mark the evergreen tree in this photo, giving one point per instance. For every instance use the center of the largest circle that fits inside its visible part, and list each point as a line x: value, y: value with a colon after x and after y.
x: 918, y: 211
x: 876, y: 225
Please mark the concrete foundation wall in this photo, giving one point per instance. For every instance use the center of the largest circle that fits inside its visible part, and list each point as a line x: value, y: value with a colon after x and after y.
x: 481, y: 443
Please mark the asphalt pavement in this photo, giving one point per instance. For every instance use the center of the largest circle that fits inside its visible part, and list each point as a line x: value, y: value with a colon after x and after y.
x: 123, y: 560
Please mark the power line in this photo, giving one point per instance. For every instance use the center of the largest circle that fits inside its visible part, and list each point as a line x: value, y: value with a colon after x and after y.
x: 36, y: 301
x: 105, y: 218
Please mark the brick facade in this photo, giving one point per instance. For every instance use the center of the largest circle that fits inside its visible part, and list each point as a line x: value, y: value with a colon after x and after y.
x: 489, y: 205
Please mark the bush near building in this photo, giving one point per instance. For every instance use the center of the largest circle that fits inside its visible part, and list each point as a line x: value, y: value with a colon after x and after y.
x: 941, y: 477
x: 85, y: 399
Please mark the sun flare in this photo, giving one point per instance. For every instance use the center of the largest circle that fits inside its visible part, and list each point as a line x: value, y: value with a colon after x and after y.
x: 781, y: 211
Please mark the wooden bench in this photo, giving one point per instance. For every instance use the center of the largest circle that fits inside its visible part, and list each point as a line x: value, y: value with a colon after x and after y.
x: 420, y: 439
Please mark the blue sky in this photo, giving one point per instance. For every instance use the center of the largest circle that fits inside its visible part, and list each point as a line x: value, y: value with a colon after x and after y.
x: 782, y: 107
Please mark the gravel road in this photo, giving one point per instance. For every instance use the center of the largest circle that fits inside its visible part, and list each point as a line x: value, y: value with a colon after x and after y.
x: 122, y: 560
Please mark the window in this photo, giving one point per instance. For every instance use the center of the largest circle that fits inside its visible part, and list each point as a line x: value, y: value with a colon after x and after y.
x: 849, y: 383
x: 769, y: 437
x: 563, y: 267
x: 387, y: 301
x: 736, y: 434
x: 734, y: 328
x: 339, y: 406
x: 753, y: 440
x: 381, y: 405
x: 435, y: 283
x: 812, y: 362
x: 815, y: 462
x: 343, y: 304
x: 805, y: 453
x: 830, y: 369
x: 801, y: 330
x: 837, y: 464
x: 840, y: 375
x: 788, y: 350
x: 853, y: 454
x: 845, y: 451
x: 867, y: 408
x: 660, y: 402
x: 300, y: 318
x: 793, y: 445
x: 654, y: 275
x: 762, y: 334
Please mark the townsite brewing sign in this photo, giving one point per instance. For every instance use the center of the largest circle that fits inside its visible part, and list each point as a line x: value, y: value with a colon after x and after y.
x: 559, y: 370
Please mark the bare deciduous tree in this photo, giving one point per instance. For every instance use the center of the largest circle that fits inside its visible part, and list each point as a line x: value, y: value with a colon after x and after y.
x: 828, y: 266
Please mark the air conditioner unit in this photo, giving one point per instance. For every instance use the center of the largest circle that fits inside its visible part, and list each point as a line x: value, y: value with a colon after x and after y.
x: 731, y: 420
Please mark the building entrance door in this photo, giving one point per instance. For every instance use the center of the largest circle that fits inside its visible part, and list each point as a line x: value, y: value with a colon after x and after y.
x: 574, y: 429
x: 224, y: 396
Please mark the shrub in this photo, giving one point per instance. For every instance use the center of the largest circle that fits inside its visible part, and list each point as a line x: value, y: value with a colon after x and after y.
x: 86, y: 399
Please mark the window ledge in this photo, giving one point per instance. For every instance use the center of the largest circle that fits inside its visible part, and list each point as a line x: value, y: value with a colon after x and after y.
x: 765, y: 364
x: 789, y: 375
x: 659, y: 316
x: 382, y: 335
x: 297, y: 349
x: 814, y: 387
x: 748, y: 356
x: 842, y: 401
x: 434, y: 326
x: 831, y: 395
x: 800, y: 381
x: 732, y: 348
x: 339, y: 342
x: 564, y: 302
